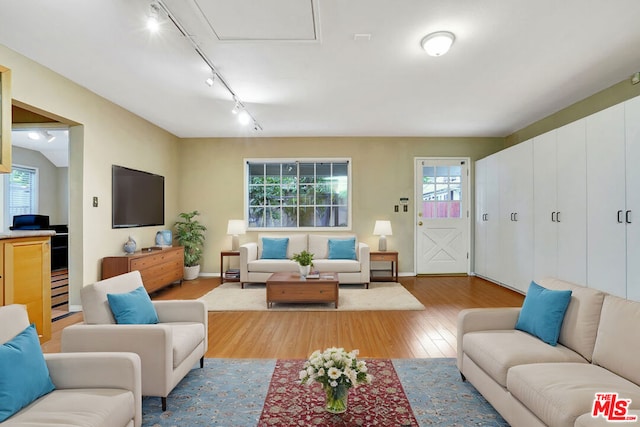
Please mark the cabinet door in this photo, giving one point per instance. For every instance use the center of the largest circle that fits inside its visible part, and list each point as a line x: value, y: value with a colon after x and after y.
x: 27, y: 276
x: 572, y: 202
x: 606, y: 250
x: 516, y: 209
x: 493, y: 260
x: 632, y: 124
x: 480, y: 244
x: 545, y: 239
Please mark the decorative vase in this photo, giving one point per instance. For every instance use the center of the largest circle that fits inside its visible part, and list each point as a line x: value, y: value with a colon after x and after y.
x: 130, y: 246
x: 164, y: 238
x: 336, y: 398
x: 304, y: 270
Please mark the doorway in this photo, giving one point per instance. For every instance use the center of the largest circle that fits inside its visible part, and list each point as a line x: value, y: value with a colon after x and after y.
x: 442, y: 215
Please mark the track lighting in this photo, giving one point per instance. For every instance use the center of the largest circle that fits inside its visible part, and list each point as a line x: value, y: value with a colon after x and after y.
x: 153, y: 19
x: 156, y: 8
x: 37, y: 135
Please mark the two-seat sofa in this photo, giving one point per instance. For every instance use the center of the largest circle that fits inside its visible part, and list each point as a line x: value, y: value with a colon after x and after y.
x: 531, y: 383
x: 254, y: 268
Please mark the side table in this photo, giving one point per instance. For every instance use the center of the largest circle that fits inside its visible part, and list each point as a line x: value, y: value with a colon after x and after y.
x: 223, y: 273
x: 384, y: 275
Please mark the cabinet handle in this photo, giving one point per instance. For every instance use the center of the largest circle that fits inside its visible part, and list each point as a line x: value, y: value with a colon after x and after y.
x: 627, y: 217
x: 557, y: 216
x: 511, y: 216
x: 515, y: 216
x: 553, y: 217
x: 619, y: 217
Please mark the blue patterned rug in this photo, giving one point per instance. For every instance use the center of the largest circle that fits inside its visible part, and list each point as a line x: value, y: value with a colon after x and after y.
x: 231, y: 392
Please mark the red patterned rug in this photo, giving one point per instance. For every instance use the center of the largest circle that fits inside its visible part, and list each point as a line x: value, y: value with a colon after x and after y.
x: 381, y: 403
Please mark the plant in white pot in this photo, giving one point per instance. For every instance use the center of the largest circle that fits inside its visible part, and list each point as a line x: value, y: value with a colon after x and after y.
x: 305, y: 261
x: 190, y: 235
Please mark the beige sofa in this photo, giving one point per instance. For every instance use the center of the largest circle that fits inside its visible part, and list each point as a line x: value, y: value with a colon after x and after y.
x: 255, y: 269
x: 96, y: 389
x: 168, y: 349
x: 531, y: 383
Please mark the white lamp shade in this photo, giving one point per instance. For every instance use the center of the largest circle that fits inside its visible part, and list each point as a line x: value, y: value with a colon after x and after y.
x: 236, y: 226
x: 437, y: 44
x: 382, y: 228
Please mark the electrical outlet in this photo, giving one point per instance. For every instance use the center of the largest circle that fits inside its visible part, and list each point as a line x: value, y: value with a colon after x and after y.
x: 95, y: 202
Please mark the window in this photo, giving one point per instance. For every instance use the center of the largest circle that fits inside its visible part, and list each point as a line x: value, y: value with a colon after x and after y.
x: 298, y: 193
x: 441, y: 191
x: 22, y: 194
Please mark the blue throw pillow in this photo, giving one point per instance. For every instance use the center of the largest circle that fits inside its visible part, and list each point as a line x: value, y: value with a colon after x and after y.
x: 24, y: 375
x: 274, y: 247
x: 342, y: 248
x: 542, y: 312
x: 133, y: 308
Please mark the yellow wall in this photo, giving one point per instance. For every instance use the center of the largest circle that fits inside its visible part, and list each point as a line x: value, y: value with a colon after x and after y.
x: 212, y: 180
x: 104, y: 134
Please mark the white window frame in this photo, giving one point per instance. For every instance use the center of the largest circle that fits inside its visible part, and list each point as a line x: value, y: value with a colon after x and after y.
x: 346, y: 160
x: 35, y: 193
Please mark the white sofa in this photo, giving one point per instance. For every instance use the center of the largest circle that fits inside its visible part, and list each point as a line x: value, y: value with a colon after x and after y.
x: 168, y: 349
x: 531, y: 383
x: 255, y: 269
x: 91, y: 389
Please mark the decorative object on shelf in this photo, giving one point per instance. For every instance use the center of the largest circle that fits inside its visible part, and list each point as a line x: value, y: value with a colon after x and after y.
x: 337, y: 371
x: 130, y: 245
x: 305, y: 262
x: 235, y: 227
x: 190, y: 234
x: 164, y: 238
x: 382, y: 229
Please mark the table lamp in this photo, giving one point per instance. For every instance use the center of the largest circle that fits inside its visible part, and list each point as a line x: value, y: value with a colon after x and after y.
x: 235, y: 227
x: 382, y: 229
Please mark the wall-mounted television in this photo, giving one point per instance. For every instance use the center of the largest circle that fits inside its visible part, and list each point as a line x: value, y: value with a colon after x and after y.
x: 138, y: 198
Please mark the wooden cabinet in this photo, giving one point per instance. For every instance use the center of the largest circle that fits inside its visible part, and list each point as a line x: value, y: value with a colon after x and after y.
x: 158, y: 268
x: 26, y: 279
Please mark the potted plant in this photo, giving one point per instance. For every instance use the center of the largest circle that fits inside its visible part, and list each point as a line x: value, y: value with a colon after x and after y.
x: 305, y: 261
x: 190, y: 235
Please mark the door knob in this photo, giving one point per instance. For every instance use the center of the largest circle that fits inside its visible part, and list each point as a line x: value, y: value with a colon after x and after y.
x: 419, y: 222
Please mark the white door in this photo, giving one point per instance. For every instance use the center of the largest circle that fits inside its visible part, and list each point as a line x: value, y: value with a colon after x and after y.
x: 442, y: 217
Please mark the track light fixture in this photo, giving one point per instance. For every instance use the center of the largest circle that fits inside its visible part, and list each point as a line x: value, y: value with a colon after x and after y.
x: 210, y: 80
x: 37, y: 135
x: 153, y: 19
x: 244, y: 116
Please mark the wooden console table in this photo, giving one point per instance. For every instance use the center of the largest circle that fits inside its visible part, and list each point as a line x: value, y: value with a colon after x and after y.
x: 158, y: 268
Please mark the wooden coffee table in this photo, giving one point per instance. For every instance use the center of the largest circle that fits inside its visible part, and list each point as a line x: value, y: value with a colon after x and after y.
x: 291, y: 287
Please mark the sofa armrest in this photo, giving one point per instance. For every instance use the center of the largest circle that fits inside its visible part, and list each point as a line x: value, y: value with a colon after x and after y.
x: 364, y: 256
x: 484, y: 319
x: 98, y: 370
x: 248, y: 253
x: 181, y: 311
x: 153, y: 343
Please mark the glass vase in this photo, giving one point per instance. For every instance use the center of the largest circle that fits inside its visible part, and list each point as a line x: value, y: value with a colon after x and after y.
x: 336, y: 398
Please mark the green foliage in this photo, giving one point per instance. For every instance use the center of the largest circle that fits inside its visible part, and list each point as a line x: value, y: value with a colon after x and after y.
x: 303, y: 258
x: 190, y: 234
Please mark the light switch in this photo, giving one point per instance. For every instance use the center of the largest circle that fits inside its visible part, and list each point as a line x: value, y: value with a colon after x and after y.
x: 95, y: 202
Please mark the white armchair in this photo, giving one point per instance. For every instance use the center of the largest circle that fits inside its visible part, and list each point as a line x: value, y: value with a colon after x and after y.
x: 98, y: 389
x: 168, y: 349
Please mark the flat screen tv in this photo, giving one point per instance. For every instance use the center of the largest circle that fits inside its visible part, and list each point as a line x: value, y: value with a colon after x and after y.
x: 138, y: 198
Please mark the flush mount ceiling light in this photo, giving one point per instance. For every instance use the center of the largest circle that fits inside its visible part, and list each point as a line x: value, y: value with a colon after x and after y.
x: 438, y: 43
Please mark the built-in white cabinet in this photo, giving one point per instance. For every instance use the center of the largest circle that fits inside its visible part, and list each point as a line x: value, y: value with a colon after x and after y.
x: 568, y: 206
x: 560, y: 204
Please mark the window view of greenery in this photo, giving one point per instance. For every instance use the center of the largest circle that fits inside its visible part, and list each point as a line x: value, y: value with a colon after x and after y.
x: 298, y: 194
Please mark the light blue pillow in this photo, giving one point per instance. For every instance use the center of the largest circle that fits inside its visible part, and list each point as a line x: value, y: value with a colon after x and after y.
x: 133, y: 308
x: 274, y: 247
x: 342, y: 248
x: 24, y: 375
x: 542, y: 312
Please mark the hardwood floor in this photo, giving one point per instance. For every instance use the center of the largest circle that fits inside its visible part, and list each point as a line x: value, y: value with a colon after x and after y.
x: 384, y: 334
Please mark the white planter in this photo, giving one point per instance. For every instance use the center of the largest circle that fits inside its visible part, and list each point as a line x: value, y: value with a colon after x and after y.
x: 191, y: 273
x: 304, y: 270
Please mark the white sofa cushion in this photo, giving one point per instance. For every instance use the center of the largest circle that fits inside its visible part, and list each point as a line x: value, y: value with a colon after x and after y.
x: 581, y: 319
x: 319, y: 244
x: 618, y: 341
x: 97, y: 407
x: 497, y: 351
x: 272, y: 265
x: 558, y: 393
x: 297, y: 242
x: 337, y: 265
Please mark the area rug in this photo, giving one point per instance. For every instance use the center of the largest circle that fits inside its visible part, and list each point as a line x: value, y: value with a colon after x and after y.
x: 379, y: 296
x: 232, y: 392
x: 382, y: 403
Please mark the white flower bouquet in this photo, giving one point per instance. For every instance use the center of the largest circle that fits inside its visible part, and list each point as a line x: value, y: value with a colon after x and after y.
x: 335, y: 367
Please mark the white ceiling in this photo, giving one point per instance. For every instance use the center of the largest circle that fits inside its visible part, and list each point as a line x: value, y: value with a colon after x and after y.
x: 296, y: 66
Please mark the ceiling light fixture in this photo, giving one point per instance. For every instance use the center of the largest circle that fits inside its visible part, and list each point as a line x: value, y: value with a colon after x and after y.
x: 153, y: 19
x: 244, y: 117
x: 438, y: 43
x: 248, y: 117
x: 236, y: 108
x: 210, y: 80
x: 37, y: 135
